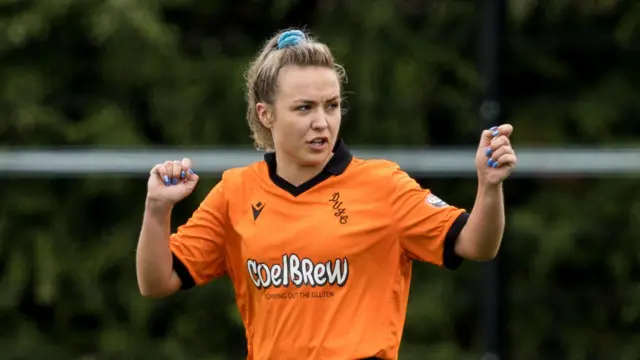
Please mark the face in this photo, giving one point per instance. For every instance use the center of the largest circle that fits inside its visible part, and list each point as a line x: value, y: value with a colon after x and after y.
x: 305, y: 117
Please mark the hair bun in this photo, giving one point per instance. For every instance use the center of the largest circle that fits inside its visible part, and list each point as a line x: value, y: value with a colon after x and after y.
x: 291, y: 38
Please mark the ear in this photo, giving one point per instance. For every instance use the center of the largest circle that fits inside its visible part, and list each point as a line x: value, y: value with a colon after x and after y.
x: 264, y: 114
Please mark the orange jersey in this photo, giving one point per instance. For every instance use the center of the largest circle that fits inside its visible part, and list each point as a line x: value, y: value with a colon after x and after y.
x: 322, y: 270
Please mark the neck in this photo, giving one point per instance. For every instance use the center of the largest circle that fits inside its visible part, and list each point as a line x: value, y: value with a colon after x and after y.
x: 294, y: 173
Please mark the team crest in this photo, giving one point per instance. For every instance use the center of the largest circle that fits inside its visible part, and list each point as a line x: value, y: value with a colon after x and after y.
x: 435, y: 201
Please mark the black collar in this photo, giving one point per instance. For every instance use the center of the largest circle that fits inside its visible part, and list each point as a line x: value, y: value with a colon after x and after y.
x: 336, y: 166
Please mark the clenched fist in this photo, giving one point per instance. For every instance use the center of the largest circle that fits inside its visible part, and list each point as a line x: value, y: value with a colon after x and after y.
x: 495, y: 159
x: 171, y: 182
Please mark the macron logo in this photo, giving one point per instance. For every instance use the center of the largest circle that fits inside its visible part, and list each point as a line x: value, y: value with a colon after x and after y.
x: 257, y: 209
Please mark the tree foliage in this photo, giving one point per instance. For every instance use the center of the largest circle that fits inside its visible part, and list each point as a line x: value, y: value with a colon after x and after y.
x: 170, y: 73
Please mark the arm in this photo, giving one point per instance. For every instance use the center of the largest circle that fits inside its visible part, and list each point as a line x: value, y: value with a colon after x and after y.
x: 154, y: 261
x: 193, y: 255
x: 431, y: 230
x: 481, y: 237
x: 495, y: 160
x: 427, y: 227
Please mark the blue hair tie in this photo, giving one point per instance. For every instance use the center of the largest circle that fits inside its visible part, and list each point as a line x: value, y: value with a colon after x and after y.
x: 291, y: 38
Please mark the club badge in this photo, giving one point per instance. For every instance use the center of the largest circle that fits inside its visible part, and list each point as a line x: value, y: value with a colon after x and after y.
x: 435, y: 201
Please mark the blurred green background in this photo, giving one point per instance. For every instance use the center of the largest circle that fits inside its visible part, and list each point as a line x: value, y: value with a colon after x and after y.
x: 144, y: 73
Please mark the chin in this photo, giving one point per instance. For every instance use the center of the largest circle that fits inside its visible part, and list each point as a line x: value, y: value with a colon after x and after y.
x: 314, y: 158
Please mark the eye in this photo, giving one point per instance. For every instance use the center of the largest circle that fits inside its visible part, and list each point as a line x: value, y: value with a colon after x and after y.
x: 303, y: 108
x: 333, y: 105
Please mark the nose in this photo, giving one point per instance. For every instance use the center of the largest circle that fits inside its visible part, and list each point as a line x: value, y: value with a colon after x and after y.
x: 320, y: 121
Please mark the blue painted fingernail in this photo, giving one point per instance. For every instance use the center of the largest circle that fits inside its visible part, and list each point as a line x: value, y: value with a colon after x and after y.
x: 166, y: 180
x: 493, y: 128
x: 495, y: 133
x: 495, y: 164
x: 183, y: 174
x: 174, y: 181
x: 488, y: 152
x: 490, y: 162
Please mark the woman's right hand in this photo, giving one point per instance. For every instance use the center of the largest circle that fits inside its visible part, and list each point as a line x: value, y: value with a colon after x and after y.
x: 170, y: 182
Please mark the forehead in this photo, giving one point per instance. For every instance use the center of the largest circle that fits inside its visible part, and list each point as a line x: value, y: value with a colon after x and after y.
x: 309, y: 82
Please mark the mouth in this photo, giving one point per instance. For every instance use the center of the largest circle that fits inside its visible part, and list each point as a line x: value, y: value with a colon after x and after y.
x: 318, y: 142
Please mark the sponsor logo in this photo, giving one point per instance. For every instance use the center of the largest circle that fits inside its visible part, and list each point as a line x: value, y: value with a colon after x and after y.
x: 293, y: 271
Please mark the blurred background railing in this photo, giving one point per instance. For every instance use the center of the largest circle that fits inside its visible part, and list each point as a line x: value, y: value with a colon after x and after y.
x: 435, y: 162
x: 93, y: 93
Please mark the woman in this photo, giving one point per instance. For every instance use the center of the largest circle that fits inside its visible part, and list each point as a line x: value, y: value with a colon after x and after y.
x: 319, y: 244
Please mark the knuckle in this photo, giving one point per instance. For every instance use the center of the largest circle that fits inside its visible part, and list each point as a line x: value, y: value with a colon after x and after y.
x: 501, y: 142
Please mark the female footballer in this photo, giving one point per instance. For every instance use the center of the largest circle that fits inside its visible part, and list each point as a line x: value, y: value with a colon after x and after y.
x: 318, y: 243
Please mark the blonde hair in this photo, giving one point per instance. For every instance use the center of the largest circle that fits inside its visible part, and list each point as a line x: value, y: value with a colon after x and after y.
x: 262, y: 75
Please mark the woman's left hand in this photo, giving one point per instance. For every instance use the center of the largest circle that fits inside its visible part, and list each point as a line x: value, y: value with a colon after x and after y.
x: 495, y: 159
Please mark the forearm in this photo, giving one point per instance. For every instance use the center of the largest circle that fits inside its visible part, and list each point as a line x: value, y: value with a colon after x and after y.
x: 481, y: 236
x: 154, y: 263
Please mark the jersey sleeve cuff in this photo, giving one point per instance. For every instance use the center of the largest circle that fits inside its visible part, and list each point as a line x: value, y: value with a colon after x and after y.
x: 450, y: 259
x: 183, y: 273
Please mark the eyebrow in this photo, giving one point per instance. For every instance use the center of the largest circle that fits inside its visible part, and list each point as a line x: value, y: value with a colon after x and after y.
x: 307, y: 101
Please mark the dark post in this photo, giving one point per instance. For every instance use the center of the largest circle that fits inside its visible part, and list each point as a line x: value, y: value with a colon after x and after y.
x: 492, y: 21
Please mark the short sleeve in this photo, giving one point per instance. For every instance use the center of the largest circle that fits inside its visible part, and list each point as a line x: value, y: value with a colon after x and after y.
x: 428, y: 227
x: 198, y: 246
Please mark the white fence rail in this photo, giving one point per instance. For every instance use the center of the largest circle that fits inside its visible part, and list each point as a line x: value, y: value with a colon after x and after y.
x: 419, y: 162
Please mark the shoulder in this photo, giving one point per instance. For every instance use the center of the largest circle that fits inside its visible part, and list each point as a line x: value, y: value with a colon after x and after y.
x: 379, y: 174
x: 377, y: 169
x: 238, y: 178
x: 383, y: 174
x: 242, y: 172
